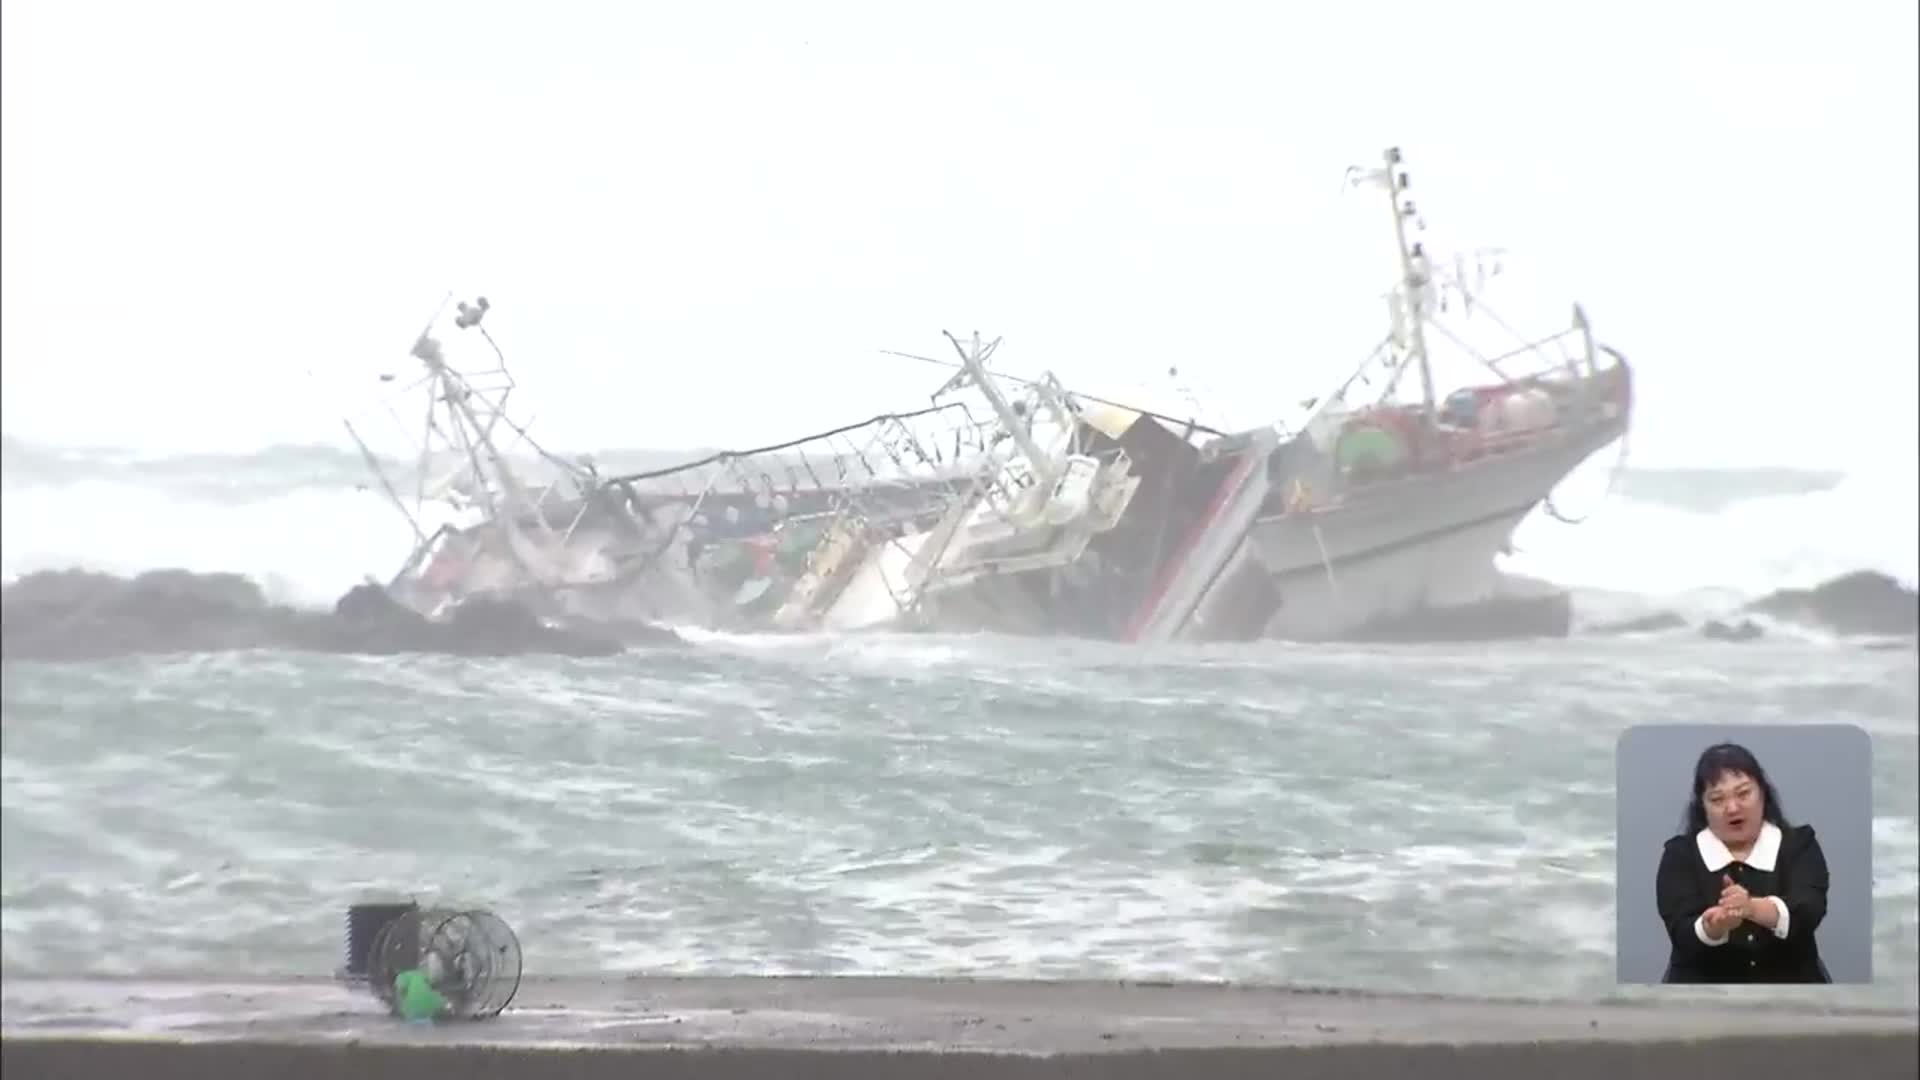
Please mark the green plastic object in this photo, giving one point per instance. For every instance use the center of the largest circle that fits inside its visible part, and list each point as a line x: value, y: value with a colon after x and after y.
x: 415, y: 996
x: 1372, y: 446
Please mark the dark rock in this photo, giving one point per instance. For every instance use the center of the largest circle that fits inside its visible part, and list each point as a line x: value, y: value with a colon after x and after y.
x: 1644, y: 624
x: 369, y: 603
x: 631, y: 632
x: 79, y: 615
x: 1863, y: 602
x: 1744, y: 630
x: 503, y: 628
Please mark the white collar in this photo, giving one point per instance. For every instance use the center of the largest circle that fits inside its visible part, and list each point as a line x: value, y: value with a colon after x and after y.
x: 1766, y: 849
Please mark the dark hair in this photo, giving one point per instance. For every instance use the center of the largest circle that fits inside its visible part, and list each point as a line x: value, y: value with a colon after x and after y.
x: 1718, y: 760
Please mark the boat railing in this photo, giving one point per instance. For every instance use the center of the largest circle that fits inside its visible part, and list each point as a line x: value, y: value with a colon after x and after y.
x: 833, y: 445
x: 1464, y: 447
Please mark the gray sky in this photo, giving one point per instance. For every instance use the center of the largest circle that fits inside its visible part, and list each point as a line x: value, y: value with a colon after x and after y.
x: 700, y: 223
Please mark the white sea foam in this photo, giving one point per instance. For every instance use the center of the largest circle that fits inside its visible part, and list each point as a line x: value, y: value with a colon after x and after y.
x: 1724, y: 543
x: 306, y: 546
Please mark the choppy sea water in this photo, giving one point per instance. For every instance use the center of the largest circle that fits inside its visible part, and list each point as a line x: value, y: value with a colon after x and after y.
x: 1434, y: 819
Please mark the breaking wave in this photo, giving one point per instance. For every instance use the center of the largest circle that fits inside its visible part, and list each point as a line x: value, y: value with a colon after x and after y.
x: 307, y: 523
x: 1738, y: 533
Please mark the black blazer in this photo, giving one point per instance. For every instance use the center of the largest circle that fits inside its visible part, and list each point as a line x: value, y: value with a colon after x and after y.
x: 1752, y: 953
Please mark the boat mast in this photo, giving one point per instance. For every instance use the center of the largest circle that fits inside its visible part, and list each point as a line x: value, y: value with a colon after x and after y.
x: 974, y: 363
x: 474, y: 438
x: 1413, y: 275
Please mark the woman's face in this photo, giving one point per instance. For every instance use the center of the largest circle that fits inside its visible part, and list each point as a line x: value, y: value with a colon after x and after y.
x: 1734, y: 805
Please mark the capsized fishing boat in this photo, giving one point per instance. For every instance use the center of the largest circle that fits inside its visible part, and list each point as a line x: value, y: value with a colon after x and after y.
x: 921, y: 518
x: 1018, y: 505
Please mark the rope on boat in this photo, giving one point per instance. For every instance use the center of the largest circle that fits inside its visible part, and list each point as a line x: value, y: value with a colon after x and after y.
x: 727, y: 455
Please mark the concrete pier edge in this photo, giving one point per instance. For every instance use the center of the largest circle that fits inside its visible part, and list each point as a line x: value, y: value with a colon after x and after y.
x: 1858, y: 1057
x: 854, y: 1028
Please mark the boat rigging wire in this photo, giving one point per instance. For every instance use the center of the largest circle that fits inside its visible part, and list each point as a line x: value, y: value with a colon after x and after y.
x: 1018, y: 380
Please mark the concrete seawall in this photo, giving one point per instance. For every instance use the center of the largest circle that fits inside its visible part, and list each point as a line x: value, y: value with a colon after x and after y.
x: 1855, y: 1057
x: 857, y: 1028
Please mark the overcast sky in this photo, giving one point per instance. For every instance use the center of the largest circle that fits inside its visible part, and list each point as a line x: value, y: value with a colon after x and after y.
x: 700, y: 223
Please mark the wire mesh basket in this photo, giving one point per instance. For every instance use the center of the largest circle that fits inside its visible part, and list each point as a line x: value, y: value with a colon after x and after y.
x: 471, y: 957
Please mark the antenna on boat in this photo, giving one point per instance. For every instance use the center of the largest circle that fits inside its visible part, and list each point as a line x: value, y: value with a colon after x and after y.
x: 1415, y: 277
x: 471, y: 435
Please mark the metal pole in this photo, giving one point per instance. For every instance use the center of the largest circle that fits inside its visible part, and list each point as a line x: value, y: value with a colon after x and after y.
x: 974, y: 364
x: 1413, y: 282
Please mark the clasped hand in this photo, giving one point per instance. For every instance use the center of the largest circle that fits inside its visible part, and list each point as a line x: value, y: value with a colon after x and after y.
x: 1734, y: 907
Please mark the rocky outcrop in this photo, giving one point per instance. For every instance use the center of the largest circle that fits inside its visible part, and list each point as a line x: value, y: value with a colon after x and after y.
x: 1865, y: 602
x: 1744, y: 630
x: 1654, y: 623
x: 80, y: 615
x: 1667, y: 621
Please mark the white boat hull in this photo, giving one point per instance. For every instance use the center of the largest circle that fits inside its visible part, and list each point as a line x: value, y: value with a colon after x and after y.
x: 1407, y: 547
x: 881, y: 591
